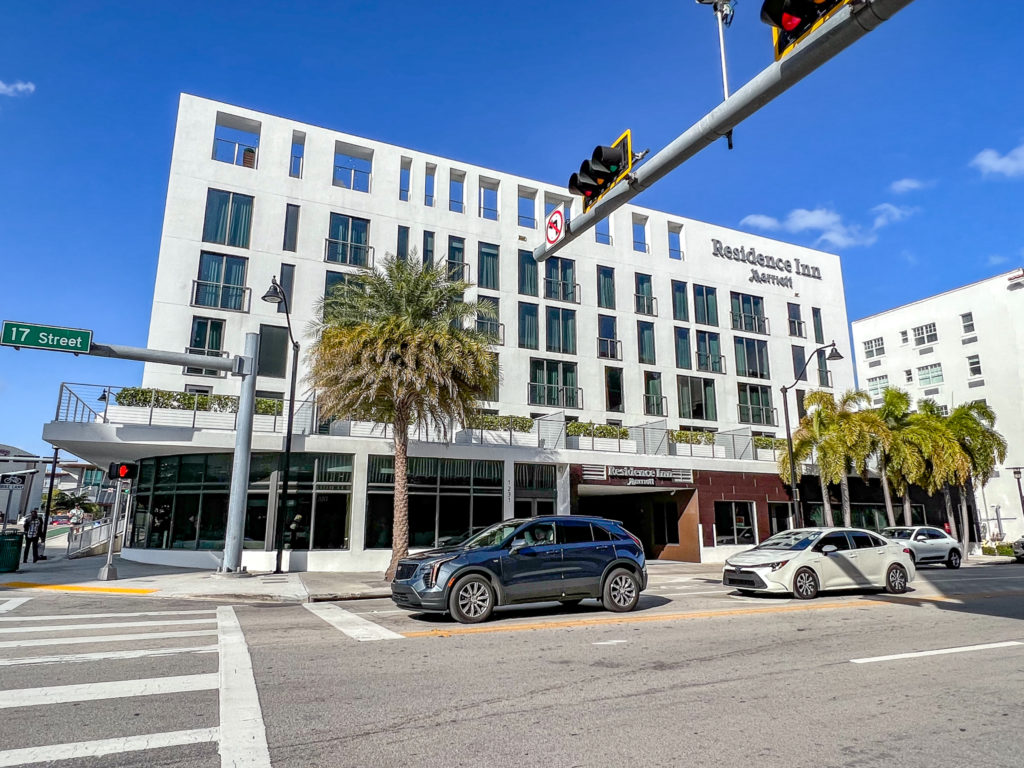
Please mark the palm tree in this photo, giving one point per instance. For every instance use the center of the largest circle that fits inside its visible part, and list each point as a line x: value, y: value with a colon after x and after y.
x: 393, y: 347
x: 948, y: 463
x: 810, y: 440
x: 973, y: 427
x: 893, y: 411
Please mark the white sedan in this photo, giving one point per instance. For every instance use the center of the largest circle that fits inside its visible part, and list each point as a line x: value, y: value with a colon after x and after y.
x: 806, y: 561
x: 927, y: 544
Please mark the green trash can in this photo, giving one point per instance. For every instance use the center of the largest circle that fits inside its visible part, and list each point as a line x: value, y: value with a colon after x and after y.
x: 10, y: 551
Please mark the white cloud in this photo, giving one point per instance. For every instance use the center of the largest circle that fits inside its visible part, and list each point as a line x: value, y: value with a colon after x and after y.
x: 887, y: 213
x: 901, y: 186
x: 759, y: 221
x: 16, y: 89
x: 988, y: 161
x: 995, y: 260
x: 829, y: 224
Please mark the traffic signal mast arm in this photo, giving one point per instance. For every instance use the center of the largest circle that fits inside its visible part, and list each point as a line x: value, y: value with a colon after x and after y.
x: 845, y: 27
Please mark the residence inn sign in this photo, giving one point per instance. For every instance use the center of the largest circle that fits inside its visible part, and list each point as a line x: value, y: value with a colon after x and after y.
x: 782, y: 270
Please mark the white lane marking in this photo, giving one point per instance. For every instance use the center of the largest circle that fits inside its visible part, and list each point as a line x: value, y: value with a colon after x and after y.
x: 610, y: 642
x: 104, y: 655
x: 11, y: 603
x: 83, y: 749
x: 66, y: 617
x: 956, y: 579
x: 703, y: 592
x: 111, y: 625
x: 352, y: 625
x: 243, y: 737
x: 90, y: 639
x: 118, y: 689
x: 939, y: 652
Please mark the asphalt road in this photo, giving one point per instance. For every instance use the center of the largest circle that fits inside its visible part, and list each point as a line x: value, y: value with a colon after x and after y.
x: 696, y: 676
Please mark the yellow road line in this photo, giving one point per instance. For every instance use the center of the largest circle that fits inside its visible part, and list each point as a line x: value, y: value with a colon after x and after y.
x: 75, y: 588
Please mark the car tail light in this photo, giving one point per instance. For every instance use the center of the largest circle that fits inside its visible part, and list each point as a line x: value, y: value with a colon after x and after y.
x: 634, y: 538
x: 906, y: 550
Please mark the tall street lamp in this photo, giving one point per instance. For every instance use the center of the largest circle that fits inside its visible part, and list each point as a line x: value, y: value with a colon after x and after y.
x: 793, y: 489
x: 1020, y: 492
x: 276, y: 295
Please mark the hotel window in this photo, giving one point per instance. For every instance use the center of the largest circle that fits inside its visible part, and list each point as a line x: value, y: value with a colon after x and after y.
x: 613, y: 389
x: 684, y: 359
x: 967, y: 319
x: 751, y: 358
x: 527, y: 208
x: 492, y: 395
x: 603, y: 231
x: 488, y: 199
x: 874, y: 348
x: 909, y: 375
x: 353, y: 166
x: 429, y: 181
x: 644, y: 297
x: 527, y: 273
x: 943, y: 410
x: 529, y: 326
x: 608, y: 344
x: 551, y: 202
x: 605, y: 287
x: 291, y: 228
x: 734, y: 523
x: 799, y: 364
x: 748, y: 313
x: 487, y: 266
x: 287, y: 282
x: 756, y: 404
x: 456, y: 258
x: 404, y: 179
x: 402, y: 247
x: 645, y: 342
x: 228, y: 218
x: 654, y: 401
x: 561, y: 330
x: 221, y: 283
x: 680, y: 308
x: 298, y: 152
x: 925, y: 334
x: 207, y: 338
x: 801, y: 409
x: 236, y: 140
x: 928, y: 375
x: 348, y: 241
x: 697, y: 398
x: 797, y: 327
x: 487, y: 322
x: 904, y: 337
x: 705, y: 305
x: 675, y: 241
x: 560, y: 280
x: 709, y: 353
x: 428, y: 248
x: 877, y: 385
x: 819, y: 332
x: 640, y: 233
x: 554, y: 383
x: 824, y: 374
x: 974, y: 365
x: 456, y: 191
x: 333, y: 279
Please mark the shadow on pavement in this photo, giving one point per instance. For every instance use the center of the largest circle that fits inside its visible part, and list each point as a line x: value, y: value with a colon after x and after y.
x: 545, y: 610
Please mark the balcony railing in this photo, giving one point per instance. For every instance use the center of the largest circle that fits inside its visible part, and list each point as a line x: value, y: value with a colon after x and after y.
x: 352, y: 178
x: 752, y: 372
x: 710, y: 363
x: 235, y: 152
x: 655, y: 405
x: 758, y: 414
x: 555, y: 395
x: 609, y: 349
x: 206, y: 353
x: 824, y: 378
x: 675, y: 253
x: 752, y: 323
x: 457, y: 270
x: 492, y: 329
x: 488, y: 213
x: 645, y: 305
x: 527, y: 221
x: 344, y: 252
x: 234, y: 298
x: 295, y: 167
x: 797, y: 328
x: 561, y: 290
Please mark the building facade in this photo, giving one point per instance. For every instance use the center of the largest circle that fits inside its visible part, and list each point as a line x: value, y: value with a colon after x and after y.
x: 677, y: 333
x: 957, y: 347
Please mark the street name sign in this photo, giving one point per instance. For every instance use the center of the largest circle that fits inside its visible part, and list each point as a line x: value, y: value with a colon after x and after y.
x: 50, y: 337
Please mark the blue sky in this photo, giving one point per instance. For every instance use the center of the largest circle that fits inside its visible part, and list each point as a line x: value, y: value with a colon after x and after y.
x: 905, y: 154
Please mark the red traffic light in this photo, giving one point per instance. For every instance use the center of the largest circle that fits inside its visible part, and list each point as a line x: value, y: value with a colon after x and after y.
x: 793, y: 19
x: 122, y: 470
x: 605, y: 168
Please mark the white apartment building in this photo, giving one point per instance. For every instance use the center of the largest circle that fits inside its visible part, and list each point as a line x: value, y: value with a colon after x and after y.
x: 652, y: 322
x: 963, y: 345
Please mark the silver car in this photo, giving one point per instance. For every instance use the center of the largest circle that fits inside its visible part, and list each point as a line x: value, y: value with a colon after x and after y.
x: 1018, y: 549
x: 927, y: 544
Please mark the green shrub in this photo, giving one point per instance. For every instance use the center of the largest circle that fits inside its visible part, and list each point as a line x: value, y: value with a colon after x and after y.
x: 763, y: 441
x: 140, y: 397
x: 502, y: 423
x: 589, y: 429
x: 692, y: 438
x: 1005, y: 550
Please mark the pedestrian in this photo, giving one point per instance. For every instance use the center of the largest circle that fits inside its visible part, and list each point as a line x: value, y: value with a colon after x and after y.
x: 33, y: 528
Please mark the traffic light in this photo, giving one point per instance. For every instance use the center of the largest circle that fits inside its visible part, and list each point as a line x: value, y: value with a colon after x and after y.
x: 123, y: 470
x: 606, y: 167
x: 792, y: 20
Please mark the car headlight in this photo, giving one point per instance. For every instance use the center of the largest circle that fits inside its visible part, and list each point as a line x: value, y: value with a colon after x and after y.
x: 432, y: 569
x: 777, y: 564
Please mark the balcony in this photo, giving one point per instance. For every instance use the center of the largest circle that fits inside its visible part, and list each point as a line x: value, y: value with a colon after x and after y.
x: 206, y: 353
x: 554, y: 395
x: 351, y: 254
x: 351, y: 178
x: 527, y: 221
x: 233, y: 298
x: 561, y: 290
x: 656, y: 405
x: 710, y: 363
x: 235, y: 152
x: 609, y: 349
x: 492, y: 329
x: 749, y: 323
x: 645, y: 305
x: 824, y: 378
x: 752, y: 373
x: 758, y: 414
x: 797, y: 328
x: 295, y: 166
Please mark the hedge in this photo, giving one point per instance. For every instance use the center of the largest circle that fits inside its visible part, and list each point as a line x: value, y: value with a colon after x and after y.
x: 589, y: 429
x: 139, y: 397
x: 999, y: 549
x: 501, y: 423
x: 693, y: 438
x: 762, y: 441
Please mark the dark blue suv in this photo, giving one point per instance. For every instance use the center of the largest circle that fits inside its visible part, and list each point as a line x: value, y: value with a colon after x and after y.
x: 556, y: 558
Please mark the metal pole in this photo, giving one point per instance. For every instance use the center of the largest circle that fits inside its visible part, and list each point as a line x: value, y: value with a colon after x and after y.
x: 719, y: 13
x: 282, y: 503
x: 793, y: 488
x: 109, y: 571
x: 232, y: 562
x: 49, y: 502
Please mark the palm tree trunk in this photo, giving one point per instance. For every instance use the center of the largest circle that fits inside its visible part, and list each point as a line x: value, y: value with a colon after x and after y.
x: 400, y: 527
x: 829, y: 522
x: 885, y: 491
x: 950, y: 519
x: 844, y: 492
x: 906, y: 508
x: 963, y: 520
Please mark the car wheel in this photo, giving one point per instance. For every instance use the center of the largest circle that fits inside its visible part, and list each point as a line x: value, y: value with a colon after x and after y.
x: 621, y: 591
x: 805, y: 584
x: 896, y: 580
x: 1020, y: 558
x: 954, y: 559
x: 571, y: 603
x: 471, y: 600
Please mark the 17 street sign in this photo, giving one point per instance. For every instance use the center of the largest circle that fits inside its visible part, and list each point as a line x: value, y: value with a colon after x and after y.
x: 50, y: 337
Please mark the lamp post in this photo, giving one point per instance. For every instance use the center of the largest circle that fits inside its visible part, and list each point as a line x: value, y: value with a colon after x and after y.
x: 276, y: 295
x: 1020, y: 492
x: 793, y: 489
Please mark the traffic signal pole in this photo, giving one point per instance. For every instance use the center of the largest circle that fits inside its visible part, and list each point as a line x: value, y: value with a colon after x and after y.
x: 848, y: 25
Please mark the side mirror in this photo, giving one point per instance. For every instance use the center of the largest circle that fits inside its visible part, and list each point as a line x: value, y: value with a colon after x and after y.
x: 517, y: 544
x: 828, y: 549
x: 920, y: 537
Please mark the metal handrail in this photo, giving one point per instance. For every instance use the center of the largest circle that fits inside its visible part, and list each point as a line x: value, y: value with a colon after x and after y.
x: 246, y: 158
x: 710, y: 363
x: 758, y: 414
x: 554, y: 395
x: 492, y: 329
x: 345, y: 252
x: 609, y: 349
x: 797, y: 328
x: 561, y: 290
x: 295, y: 167
x: 645, y: 305
x: 352, y: 178
x: 457, y: 270
x: 527, y: 221
x: 484, y: 210
x: 656, y: 405
x: 233, y: 298
x: 197, y: 371
x: 742, y: 321
x: 824, y: 378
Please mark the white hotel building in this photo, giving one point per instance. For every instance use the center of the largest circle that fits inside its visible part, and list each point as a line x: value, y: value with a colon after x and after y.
x: 959, y: 346
x: 652, y: 322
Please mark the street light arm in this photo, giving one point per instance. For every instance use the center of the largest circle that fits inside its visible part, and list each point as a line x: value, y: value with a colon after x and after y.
x: 807, y: 362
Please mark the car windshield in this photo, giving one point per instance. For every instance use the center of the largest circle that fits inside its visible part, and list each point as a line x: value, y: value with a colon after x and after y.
x: 795, y: 540
x: 493, y: 536
x: 897, y: 533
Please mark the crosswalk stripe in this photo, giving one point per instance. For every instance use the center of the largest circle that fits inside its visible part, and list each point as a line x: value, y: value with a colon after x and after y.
x: 112, y: 625
x: 105, y: 655
x: 90, y: 639
x: 117, y: 689
x: 243, y: 742
x: 11, y: 603
x: 66, y: 617
x: 352, y: 625
x: 83, y: 749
